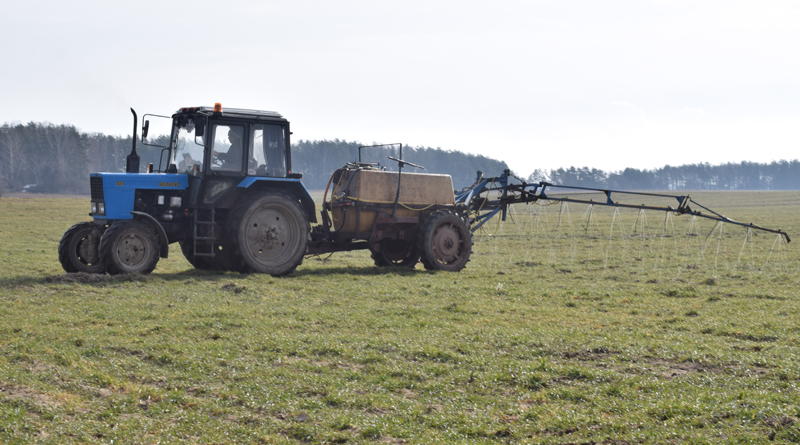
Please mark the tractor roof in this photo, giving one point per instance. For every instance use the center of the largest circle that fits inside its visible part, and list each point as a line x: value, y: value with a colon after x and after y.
x: 232, y: 112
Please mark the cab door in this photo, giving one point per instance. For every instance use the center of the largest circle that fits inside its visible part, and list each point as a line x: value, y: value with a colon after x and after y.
x: 224, y: 160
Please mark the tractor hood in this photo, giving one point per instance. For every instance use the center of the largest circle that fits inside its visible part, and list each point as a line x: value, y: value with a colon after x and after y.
x: 117, y: 191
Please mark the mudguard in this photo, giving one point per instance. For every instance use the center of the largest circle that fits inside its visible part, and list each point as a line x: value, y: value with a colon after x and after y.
x: 291, y: 186
x: 162, y: 234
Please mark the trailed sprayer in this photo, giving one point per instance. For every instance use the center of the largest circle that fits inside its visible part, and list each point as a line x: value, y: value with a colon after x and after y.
x: 224, y: 190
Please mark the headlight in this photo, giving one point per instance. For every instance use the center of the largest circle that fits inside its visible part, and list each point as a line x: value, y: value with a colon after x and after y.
x: 175, y: 201
x: 94, y: 208
x: 101, y: 208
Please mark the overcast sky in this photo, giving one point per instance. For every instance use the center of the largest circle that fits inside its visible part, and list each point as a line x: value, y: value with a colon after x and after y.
x: 538, y: 84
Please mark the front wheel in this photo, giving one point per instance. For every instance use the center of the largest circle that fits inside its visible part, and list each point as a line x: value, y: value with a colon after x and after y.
x: 269, y: 232
x: 445, y: 242
x: 78, y: 250
x: 129, y: 247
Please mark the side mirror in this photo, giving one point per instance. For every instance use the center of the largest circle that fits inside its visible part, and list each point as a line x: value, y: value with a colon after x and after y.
x: 199, y: 130
x: 145, y: 129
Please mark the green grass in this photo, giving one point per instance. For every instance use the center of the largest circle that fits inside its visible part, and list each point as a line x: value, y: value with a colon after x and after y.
x: 553, y: 339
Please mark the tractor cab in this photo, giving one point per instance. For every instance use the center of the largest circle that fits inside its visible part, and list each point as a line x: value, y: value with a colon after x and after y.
x: 225, y: 149
x: 240, y: 142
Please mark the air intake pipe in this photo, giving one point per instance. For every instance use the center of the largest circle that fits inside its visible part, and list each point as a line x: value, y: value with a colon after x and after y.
x: 132, y: 165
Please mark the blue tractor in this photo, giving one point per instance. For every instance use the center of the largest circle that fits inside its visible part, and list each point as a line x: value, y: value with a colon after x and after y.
x: 223, y: 189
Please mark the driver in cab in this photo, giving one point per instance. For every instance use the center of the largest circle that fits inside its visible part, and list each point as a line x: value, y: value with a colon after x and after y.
x: 232, y: 159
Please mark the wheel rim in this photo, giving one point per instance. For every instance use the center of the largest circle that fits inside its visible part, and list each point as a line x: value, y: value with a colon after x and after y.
x: 132, y: 249
x: 271, y: 236
x: 448, y: 243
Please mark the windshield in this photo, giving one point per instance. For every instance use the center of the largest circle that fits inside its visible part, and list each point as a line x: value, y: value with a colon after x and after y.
x: 187, y: 153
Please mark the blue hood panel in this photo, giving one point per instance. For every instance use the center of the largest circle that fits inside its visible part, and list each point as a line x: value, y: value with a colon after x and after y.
x: 119, y: 189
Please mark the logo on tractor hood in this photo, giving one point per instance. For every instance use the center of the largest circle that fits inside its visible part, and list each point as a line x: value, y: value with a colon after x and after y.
x: 169, y: 184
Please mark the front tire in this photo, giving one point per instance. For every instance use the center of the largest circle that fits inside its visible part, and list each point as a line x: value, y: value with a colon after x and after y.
x: 129, y: 247
x: 445, y: 242
x: 79, y: 251
x: 269, y: 232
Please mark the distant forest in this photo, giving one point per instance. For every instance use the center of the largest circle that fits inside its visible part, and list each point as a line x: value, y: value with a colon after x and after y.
x: 47, y: 158
x: 58, y: 158
x: 776, y: 175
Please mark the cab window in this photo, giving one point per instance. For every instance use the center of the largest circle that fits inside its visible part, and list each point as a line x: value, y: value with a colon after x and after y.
x: 267, y: 151
x: 188, y: 152
x: 226, y: 151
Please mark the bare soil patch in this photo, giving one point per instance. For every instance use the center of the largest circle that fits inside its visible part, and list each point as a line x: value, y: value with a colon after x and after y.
x: 23, y: 393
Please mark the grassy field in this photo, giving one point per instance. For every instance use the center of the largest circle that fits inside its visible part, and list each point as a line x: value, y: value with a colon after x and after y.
x: 555, y: 333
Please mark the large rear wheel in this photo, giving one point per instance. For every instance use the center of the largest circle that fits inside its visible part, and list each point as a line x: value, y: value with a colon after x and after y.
x: 269, y: 233
x: 220, y: 261
x: 78, y: 250
x: 445, y: 242
x: 198, y: 262
x: 129, y: 247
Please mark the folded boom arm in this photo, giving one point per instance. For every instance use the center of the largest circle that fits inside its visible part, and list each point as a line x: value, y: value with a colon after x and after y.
x: 489, y: 196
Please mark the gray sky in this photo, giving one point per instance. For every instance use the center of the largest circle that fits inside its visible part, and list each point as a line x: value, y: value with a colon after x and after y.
x: 538, y: 84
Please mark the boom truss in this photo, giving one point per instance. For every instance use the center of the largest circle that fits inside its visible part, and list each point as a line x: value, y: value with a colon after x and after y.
x: 488, y: 197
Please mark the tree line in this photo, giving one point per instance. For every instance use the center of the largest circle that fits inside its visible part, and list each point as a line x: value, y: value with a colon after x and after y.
x: 47, y: 158
x: 50, y: 158
x: 317, y: 160
x: 775, y: 175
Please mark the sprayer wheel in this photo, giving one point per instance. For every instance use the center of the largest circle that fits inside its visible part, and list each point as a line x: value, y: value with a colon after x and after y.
x: 445, y: 242
x: 396, y: 253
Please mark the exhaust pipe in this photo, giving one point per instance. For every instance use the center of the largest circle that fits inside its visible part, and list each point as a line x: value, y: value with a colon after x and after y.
x: 132, y: 165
